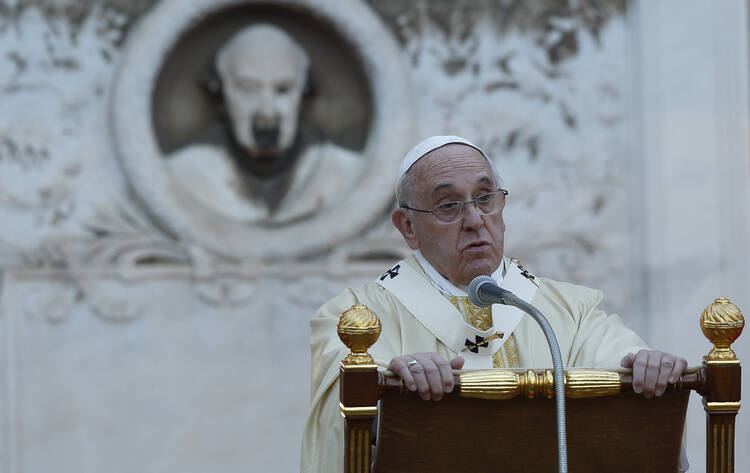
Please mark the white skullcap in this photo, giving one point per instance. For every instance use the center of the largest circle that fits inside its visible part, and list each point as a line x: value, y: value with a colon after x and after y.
x: 433, y: 143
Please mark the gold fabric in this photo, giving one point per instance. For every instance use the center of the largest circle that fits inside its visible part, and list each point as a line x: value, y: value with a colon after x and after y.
x: 478, y: 317
x: 511, y: 352
x: 481, y: 319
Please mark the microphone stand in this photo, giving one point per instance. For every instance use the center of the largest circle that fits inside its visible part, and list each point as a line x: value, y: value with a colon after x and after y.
x: 498, y: 294
x: 562, y: 443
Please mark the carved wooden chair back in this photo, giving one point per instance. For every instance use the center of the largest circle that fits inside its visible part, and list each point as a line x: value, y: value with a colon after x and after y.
x: 504, y: 420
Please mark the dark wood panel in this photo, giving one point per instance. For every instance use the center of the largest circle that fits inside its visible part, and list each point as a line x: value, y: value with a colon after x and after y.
x: 622, y: 433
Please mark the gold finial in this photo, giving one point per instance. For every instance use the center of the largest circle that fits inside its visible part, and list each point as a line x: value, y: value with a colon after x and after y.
x: 722, y: 323
x: 359, y: 328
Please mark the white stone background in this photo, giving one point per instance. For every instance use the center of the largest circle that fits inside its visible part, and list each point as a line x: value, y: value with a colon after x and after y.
x: 112, y: 366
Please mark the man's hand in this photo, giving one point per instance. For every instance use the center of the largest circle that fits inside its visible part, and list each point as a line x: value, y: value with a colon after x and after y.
x: 652, y: 370
x: 431, y: 375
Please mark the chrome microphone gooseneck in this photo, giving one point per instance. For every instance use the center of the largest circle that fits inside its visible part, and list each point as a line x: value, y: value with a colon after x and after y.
x: 483, y: 292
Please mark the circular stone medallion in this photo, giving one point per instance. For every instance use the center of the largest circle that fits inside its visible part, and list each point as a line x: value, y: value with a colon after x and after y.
x: 362, y: 103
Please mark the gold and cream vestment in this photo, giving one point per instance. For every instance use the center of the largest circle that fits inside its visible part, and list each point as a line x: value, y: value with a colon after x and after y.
x: 481, y: 318
x: 587, y: 336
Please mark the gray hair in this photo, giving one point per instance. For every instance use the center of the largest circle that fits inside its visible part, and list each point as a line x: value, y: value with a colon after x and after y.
x: 404, y: 188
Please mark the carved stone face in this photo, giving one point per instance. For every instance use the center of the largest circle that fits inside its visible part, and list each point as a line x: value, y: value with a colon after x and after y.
x: 263, y: 73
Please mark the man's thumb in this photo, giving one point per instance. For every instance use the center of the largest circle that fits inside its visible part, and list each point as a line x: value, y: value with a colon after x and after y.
x: 457, y: 363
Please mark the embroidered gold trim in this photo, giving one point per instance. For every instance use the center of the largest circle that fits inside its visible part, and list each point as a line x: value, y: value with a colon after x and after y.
x: 478, y: 317
x: 511, y: 352
x: 497, y: 359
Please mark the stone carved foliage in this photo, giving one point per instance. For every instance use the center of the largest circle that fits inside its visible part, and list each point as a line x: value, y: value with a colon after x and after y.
x: 61, y: 212
x: 54, y: 75
x: 543, y: 20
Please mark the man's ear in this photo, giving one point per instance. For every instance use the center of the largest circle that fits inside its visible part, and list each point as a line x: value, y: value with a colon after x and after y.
x: 405, y: 225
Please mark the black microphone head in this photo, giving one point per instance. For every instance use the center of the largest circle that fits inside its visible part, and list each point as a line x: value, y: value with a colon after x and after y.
x: 474, y: 290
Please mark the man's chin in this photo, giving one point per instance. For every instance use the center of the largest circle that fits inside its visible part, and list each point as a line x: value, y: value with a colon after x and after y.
x: 480, y: 268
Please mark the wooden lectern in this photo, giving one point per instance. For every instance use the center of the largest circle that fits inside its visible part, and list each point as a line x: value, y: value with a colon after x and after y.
x: 504, y: 420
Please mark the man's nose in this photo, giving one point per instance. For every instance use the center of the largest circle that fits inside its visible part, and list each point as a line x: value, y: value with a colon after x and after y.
x: 267, y: 116
x: 472, y: 217
x: 264, y: 119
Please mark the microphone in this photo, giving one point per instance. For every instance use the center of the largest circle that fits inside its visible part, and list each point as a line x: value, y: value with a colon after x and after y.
x: 483, y: 292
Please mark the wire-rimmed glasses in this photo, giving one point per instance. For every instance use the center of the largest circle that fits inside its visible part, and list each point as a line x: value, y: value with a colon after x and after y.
x: 449, y: 212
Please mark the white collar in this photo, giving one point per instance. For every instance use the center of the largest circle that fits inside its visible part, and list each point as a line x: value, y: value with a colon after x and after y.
x: 446, y: 287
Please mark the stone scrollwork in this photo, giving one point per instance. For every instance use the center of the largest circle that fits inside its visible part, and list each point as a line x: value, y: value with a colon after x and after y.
x: 111, y: 304
x: 53, y: 304
x: 118, y: 242
x: 54, y: 301
x: 219, y: 283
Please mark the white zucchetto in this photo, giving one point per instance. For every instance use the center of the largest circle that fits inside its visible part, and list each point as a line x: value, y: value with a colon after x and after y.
x: 433, y: 143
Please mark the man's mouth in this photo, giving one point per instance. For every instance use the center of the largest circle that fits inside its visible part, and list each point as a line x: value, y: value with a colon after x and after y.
x: 477, y: 246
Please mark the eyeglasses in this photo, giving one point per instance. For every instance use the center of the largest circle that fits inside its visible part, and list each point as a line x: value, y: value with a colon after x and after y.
x: 449, y: 212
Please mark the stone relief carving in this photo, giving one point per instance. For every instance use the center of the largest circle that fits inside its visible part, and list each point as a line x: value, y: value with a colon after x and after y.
x: 271, y: 174
x: 539, y: 87
x: 331, y: 195
x: 81, y: 222
x: 53, y: 299
x: 50, y: 86
x: 51, y: 306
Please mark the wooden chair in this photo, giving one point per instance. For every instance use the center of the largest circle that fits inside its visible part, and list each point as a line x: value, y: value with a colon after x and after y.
x: 504, y: 420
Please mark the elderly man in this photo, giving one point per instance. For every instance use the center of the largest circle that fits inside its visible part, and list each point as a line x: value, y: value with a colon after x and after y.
x: 270, y: 173
x: 450, y: 212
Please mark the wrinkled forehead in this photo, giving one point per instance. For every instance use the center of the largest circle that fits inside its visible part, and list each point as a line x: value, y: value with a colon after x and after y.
x: 439, y: 167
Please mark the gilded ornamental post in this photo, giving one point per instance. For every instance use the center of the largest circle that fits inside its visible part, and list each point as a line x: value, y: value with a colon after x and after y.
x: 721, y: 322
x: 358, y: 328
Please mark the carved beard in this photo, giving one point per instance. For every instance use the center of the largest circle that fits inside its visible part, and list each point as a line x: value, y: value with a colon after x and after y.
x: 269, y: 179
x: 266, y: 137
x: 260, y: 166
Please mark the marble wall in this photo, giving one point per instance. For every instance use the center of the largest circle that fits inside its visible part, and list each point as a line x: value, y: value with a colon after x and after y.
x: 131, y: 338
x: 693, y: 233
